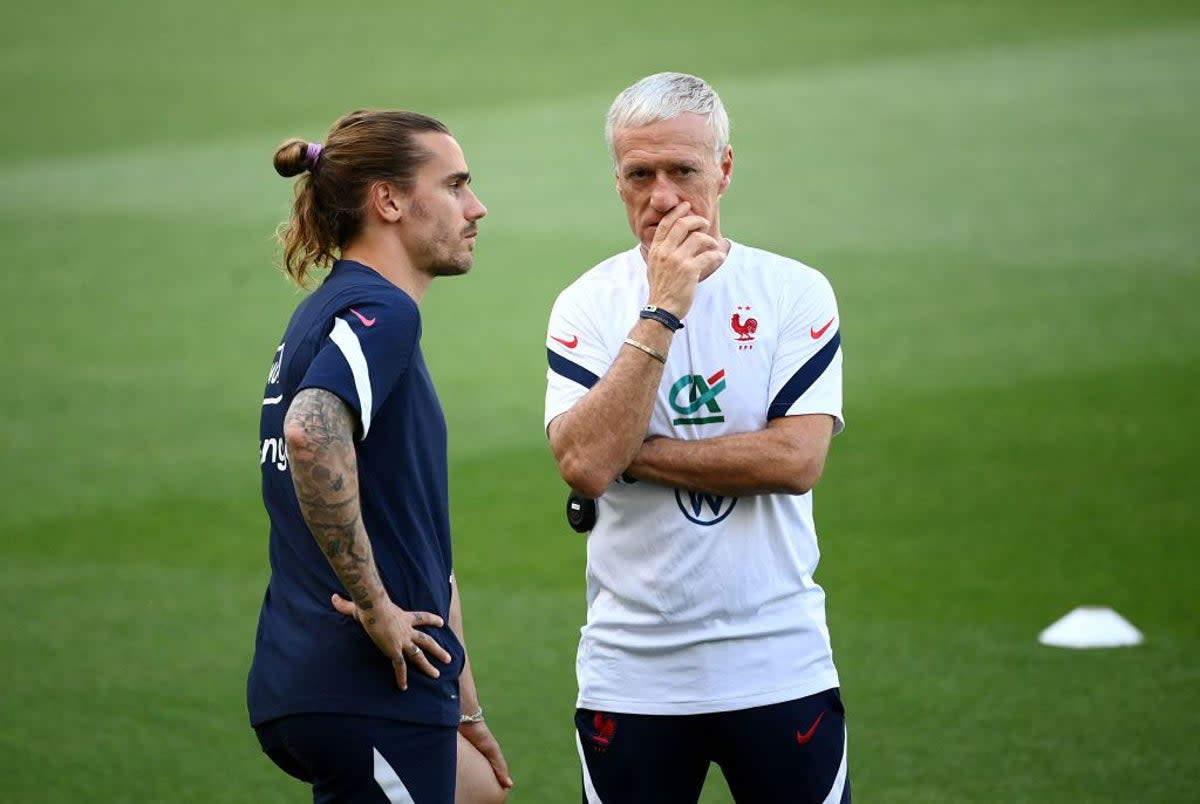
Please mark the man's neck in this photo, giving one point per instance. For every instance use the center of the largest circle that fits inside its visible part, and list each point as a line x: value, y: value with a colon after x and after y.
x: 392, y: 265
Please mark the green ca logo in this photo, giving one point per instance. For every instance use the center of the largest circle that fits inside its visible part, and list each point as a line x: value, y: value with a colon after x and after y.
x: 701, y: 393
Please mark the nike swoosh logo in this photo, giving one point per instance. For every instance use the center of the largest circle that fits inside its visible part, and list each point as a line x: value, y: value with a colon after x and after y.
x: 817, y: 333
x: 804, y: 737
x: 273, y: 400
x: 367, y: 322
x: 570, y: 344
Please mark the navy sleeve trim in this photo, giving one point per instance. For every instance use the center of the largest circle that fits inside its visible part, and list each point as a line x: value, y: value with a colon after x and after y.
x: 803, y: 379
x: 572, y: 371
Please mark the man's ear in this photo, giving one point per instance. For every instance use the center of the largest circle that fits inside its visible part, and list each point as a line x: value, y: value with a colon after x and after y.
x: 385, y: 201
x: 726, y: 169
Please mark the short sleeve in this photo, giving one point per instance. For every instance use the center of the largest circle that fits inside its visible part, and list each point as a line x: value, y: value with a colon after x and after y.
x: 576, y: 353
x: 807, y: 373
x: 367, y: 352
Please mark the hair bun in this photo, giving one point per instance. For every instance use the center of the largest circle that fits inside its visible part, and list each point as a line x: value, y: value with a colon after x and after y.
x: 291, y: 158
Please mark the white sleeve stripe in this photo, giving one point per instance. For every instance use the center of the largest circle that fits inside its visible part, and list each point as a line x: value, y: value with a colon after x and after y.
x: 347, y: 341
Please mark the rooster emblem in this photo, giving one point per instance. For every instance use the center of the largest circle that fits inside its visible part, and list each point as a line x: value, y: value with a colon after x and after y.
x: 606, y: 726
x: 744, y: 330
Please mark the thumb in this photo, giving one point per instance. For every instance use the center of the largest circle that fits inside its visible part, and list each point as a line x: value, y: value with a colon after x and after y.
x: 500, y: 767
x: 344, y: 606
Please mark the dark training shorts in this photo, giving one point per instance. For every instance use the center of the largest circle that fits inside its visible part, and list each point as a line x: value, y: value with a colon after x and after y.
x: 364, y: 760
x: 793, y: 752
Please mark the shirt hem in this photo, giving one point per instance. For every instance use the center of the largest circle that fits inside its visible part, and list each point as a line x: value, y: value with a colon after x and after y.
x: 425, y: 718
x: 817, y: 684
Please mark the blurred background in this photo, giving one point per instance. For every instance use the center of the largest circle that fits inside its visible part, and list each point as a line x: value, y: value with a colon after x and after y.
x: 1003, y: 195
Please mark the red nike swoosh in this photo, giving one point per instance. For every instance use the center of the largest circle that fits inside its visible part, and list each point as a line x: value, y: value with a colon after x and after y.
x: 817, y: 333
x: 803, y: 738
x: 367, y: 322
x: 570, y: 344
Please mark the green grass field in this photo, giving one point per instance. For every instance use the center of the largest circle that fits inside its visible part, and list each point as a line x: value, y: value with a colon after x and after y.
x: 1004, y: 197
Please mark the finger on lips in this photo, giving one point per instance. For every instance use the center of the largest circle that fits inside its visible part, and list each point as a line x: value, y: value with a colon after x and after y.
x: 686, y: 225
x: 679, y: 210
x: 670, y: 219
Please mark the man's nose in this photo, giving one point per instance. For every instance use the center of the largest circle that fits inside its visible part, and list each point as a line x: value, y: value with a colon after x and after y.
x: 663, y: 195
x: 476, y: 209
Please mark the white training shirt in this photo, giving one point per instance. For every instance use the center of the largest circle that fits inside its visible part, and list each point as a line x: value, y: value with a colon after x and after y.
x: 701, y: 603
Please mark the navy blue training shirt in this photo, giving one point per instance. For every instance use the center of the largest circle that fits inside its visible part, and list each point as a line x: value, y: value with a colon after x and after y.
x: 357, y: 336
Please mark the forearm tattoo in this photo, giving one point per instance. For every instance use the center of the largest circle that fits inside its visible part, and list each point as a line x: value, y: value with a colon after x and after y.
x: 325, y: 475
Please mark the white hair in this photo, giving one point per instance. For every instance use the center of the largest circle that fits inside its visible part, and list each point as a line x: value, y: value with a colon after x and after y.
x: 665, y: 96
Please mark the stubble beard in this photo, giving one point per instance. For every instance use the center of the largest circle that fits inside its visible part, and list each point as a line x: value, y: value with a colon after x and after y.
x: 446, y: 262
x: 443, y: 254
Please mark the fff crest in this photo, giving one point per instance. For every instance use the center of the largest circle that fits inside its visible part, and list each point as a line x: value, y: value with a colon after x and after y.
x: 744, y: 326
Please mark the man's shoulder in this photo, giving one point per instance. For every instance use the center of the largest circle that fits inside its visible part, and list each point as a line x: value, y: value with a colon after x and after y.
x: 616, y: 271
x: 779, y: 266
x: 785, y: 279
x: 352, y: 282
x: 618, y: 265
x: 361, y: 296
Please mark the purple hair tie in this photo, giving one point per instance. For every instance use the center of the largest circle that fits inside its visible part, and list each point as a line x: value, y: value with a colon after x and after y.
x: 312, y: 152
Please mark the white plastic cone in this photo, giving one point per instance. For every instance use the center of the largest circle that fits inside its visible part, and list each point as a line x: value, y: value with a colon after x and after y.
x: 1091, y: 627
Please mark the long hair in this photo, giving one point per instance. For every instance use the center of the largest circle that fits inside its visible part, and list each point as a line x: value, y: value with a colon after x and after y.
x: 362, y: 148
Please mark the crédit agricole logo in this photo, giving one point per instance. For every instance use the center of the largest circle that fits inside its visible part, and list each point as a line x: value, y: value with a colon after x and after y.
x: 700, y: 398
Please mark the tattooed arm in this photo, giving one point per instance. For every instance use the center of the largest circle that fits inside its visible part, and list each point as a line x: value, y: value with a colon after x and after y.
x: 319, y: 430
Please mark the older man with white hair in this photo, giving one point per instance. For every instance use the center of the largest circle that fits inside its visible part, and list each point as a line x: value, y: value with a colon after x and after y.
x: 694, y: 386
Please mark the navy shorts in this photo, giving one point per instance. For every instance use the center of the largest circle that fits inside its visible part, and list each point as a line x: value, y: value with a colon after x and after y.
x: 364, y: 760
x: 792, y: 752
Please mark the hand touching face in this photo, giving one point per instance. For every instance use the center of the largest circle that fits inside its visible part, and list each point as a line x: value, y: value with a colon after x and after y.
x: 665, y: 164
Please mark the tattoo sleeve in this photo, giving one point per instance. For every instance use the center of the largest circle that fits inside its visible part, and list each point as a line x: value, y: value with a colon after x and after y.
x: 320, y: 437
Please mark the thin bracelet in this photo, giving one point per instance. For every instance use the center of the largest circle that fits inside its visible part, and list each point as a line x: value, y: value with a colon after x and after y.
x: 659, y: 356
x: 475, y: 718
